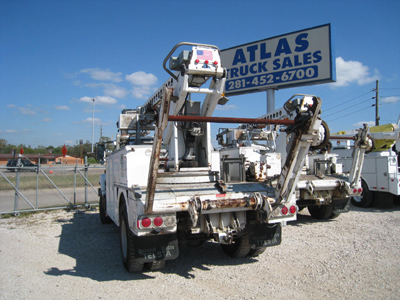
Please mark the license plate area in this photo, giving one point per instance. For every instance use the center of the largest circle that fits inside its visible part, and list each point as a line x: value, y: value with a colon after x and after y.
x: 264, y: 235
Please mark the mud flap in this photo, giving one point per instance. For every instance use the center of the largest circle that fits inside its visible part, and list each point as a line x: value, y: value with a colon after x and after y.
x: 160, y: 247
x: 341, y: 205
x: 264, y: 235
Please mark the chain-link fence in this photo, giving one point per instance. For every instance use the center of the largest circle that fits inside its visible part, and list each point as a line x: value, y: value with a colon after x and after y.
x: 48, y: 187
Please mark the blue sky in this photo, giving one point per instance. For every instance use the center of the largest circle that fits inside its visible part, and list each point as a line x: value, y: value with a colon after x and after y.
x: 55, y: 56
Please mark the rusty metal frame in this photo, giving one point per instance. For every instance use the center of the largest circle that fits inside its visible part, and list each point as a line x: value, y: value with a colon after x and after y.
x: 229, y: 120
x: 162, y: 123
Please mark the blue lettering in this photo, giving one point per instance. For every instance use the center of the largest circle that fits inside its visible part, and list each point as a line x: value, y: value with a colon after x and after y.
x: 239, y: 57
x: 301, y: 42
x: 307, y: 58
x: 287, y: 63
x: 244, y: 70
x: 296, y: 61
x: 277, y: 64
x: 261, y: 67
x: 234, y: 72
x: 252, y: 51
x: 317, y: 56
x: 253, y: 69
x: 283, y: 47
x: 263, y: 53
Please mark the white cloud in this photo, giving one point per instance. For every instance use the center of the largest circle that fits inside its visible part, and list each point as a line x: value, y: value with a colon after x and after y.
x: 99, y: 100
x: 141, y: 92
x: 61, y: 107
x: 97, y: 121
x: 226, y: 107
x: 348, y: 72
x: 103, y: 75
x: 69, y: 142
x: 11, y: 105
x: 115, y: 91
x: 26, y: 111
x: 141, y: 79
x: 11, y: 131
x: 391, y: 99
x: 361, y: 124
x: 58, y: 134
x: 47, y: 120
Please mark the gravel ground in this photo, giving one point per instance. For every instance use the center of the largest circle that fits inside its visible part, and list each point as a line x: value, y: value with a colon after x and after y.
x: 70, y: 255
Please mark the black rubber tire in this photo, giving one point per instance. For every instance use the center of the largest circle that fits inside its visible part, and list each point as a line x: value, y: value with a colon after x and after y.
x: 127, y: 244
x: 240, y: 247
x: 365, y: 199
x: 256, y: 252
x: 322, y: 212
x: 325, y: 142
x: 103, y: 214
x: 155, y: 265
x: 334, y: 216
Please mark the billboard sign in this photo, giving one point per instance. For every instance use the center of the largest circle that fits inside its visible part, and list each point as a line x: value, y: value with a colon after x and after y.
x: 299, y: 58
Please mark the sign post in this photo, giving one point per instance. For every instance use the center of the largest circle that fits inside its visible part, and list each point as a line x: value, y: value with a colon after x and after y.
x: 299, y: 58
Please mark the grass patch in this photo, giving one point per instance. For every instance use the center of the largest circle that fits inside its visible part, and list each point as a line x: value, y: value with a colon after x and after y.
x: 30, y: 181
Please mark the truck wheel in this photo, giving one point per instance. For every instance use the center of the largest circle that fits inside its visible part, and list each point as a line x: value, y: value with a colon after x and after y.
x: 127, y: 244
x: 155, y: 265
x: 326, y: 135
x: 256, y: 252
x: 334, y: 216
x: 240, y: 247
x: 366, y: 197
x: 321, y: 212
x: 102, y: 207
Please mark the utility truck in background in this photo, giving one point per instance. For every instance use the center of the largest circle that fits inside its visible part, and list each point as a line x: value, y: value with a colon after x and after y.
x: 165, y: 185
x: 381, y: 170
x: 323, y: 187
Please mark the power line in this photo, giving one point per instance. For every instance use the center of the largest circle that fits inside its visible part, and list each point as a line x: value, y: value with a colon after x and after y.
x: 334, y: 113
x: 349, y: 114
x: 363, y: 88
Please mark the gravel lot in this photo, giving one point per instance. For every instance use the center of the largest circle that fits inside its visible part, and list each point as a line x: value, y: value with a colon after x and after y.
x: 70, y: 255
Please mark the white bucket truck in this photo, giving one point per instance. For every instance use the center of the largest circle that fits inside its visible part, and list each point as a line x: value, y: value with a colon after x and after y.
x: 164, y: 185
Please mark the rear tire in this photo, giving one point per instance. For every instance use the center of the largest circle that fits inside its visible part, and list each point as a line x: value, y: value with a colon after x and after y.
x: 102, y: 207
x: 256, y: 252
x: 240, y: 247
x: 127, y: 239
x: 155, y: 265
x: 365, y: 199
x: 322, y: 212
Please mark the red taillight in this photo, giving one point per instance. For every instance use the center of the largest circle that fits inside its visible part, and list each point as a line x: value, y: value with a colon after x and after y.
x: 197, y: 61
x: 284, y: 210
x: 354, y: 191
x: 206, y: 62
x: 293, y: 209
x: 360, y: 190
x: 146, y: 222
x: 158, y: 221
x: 215, y: 63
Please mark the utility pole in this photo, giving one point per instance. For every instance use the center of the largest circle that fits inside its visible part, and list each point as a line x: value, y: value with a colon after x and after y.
x: 93, y: 125
x: 377, y: 103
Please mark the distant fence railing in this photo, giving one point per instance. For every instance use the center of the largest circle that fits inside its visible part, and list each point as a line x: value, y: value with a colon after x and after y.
x: 46, y: 187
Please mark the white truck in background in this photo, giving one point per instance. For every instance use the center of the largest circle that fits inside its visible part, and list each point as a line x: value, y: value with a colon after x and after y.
x: 163, y: 185
x: 323, y: 187
x: 381, y: 170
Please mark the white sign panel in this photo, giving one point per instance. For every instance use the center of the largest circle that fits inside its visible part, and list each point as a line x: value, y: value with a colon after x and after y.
x: 295, y: 59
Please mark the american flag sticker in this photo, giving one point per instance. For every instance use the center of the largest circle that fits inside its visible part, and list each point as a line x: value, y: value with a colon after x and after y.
x: 205, y: 54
